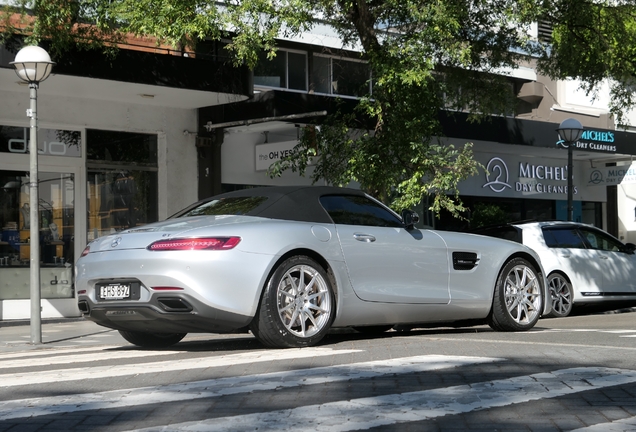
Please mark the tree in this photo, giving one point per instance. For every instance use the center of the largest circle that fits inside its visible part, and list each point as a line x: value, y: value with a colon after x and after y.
x: 595, y: 42
x: 425, y: 56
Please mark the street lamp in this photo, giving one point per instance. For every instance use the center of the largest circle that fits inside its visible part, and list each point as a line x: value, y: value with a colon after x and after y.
x: 570, y: 130
x: 33, y: 65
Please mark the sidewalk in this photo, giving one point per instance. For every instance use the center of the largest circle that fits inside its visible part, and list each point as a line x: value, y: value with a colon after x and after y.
x: 56, y: 333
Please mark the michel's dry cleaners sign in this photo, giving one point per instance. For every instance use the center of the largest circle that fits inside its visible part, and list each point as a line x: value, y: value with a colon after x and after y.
x: 612, y: 175
x: 591, y: 139
x: 527, y: 178
x: 512, y: 176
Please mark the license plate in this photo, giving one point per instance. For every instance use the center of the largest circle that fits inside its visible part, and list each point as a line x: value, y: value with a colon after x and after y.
x: 114, y: 292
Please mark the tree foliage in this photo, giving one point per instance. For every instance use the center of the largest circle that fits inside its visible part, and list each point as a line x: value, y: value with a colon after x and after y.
x: 424, y: 55
x: 595, y: 42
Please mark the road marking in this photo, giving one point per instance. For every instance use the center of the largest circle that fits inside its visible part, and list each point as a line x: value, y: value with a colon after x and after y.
x: 82, y: 358
x: 371, y: 412
x: 40, y: 377
x: 231, y: 385
x: 618, y: 331
x: 54, y: 351
x: 623, y: 425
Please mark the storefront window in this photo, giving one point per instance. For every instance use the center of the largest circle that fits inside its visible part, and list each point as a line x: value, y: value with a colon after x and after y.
x: 51, y: 142
x: 120, y: 199
x: 122, y: 181
x: 56, y: 223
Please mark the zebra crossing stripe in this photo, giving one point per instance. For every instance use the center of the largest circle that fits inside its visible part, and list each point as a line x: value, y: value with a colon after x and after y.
x: 82, y: 358
x: 26, y: 377
x: 370, y: 412
x: 54, y: 351
x: 231, y: 385
x: 623, y: 425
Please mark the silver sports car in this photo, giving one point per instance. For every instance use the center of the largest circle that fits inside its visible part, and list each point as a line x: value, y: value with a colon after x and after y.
x: 289, y: 263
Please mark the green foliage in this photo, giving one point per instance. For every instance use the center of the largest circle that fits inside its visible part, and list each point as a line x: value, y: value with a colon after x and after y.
x: 425, y: 56
x: 595, y: 41
x: 488, y: 214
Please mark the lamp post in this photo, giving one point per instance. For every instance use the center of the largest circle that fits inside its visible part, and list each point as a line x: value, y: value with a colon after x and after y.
x: 33, y: 65
x: 570, y: 130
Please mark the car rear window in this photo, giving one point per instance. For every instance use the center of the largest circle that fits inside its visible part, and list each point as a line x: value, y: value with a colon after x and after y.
x: 226, y: 206
x: 563, y: 238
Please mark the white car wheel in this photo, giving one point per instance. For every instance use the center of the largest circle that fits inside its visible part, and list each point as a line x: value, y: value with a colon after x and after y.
x: 561, y: 294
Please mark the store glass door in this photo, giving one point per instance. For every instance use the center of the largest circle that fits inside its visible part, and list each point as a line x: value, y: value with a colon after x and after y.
x: 56, y: 223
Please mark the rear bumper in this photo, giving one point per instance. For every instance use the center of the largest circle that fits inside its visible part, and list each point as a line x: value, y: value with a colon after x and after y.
x: 163, y: 313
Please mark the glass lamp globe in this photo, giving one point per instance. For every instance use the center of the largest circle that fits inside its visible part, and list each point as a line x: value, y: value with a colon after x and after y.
x: 33, y: 64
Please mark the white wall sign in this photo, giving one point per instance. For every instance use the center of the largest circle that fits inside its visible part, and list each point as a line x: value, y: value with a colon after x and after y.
x: 612, y: 175
x: 267, y: 154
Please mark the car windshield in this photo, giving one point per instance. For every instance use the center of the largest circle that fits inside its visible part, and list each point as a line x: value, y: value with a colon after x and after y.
x: 225, y: 206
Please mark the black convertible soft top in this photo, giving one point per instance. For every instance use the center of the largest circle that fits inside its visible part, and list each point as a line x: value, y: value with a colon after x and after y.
x: 295, y: 203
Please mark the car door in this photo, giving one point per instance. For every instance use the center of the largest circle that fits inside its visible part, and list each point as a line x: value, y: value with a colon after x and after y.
x: 617, y: 264
x: 387, y: 262
x: 570, y: 254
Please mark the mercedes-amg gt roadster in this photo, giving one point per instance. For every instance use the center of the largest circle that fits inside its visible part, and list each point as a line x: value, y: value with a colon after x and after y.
x: 289, y: 263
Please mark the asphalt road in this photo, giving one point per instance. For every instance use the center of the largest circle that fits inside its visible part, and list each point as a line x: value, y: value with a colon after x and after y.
x: 569, y: 374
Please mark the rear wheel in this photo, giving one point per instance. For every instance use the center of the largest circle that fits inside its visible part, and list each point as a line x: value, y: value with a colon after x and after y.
x: 297, y: 306
x: 152, y: 340
x: 518, y: 298
x: 561, y: 294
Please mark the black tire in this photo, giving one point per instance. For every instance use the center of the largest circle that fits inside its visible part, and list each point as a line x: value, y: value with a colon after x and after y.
x: 297, y: 306
x: 376, y: 329
x: 561, y: 294
x: 152, y: 340
x: 518, y: 298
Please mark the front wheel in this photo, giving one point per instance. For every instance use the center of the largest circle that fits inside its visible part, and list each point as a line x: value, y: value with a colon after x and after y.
x: 561, y: 294
x: 518, y: 297
x: 297, y: 306
x: 152, y: 340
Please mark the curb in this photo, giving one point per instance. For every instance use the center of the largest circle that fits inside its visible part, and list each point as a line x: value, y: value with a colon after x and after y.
x: 26, y: 322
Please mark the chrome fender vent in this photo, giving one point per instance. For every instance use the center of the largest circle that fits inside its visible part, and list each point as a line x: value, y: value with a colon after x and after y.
x: 464, y: 260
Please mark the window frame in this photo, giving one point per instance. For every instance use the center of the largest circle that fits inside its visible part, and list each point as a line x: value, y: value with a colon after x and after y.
x: 331, y: 75
x: 286, y: 51
x: 350, y: 199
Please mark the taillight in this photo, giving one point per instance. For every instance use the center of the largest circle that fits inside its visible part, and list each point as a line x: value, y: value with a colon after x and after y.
x: 205, y: 243
x: 86, y: 250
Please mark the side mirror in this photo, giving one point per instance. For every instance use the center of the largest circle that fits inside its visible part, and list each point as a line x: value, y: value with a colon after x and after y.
x: 630, y: 248
x: 409, y: 218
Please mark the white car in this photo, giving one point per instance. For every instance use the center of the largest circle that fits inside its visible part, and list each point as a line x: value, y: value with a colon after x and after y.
x: 584, y: 264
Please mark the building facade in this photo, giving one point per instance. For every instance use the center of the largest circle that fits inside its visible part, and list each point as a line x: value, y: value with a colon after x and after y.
x: 131, y: 141
x: 117, y: 147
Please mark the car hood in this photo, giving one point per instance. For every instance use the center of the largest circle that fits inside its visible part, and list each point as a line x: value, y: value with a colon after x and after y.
x: 141, y: 237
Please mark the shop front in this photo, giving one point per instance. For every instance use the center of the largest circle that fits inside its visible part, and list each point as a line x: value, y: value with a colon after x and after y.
x: 109, y: 178
x: 524, y: 173
x: 60, y: 163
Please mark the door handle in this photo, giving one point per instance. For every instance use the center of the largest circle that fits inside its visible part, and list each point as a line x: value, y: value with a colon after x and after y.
x: 565, y: 255
x: 367, y: 238
x: 604, y: 257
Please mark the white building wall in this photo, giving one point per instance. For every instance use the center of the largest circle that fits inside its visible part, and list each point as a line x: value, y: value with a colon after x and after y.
x: 177, y: 151
x: 177, y: 159
x: 627, y: 212
x: 238, y: 160
x: 572, y: 96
